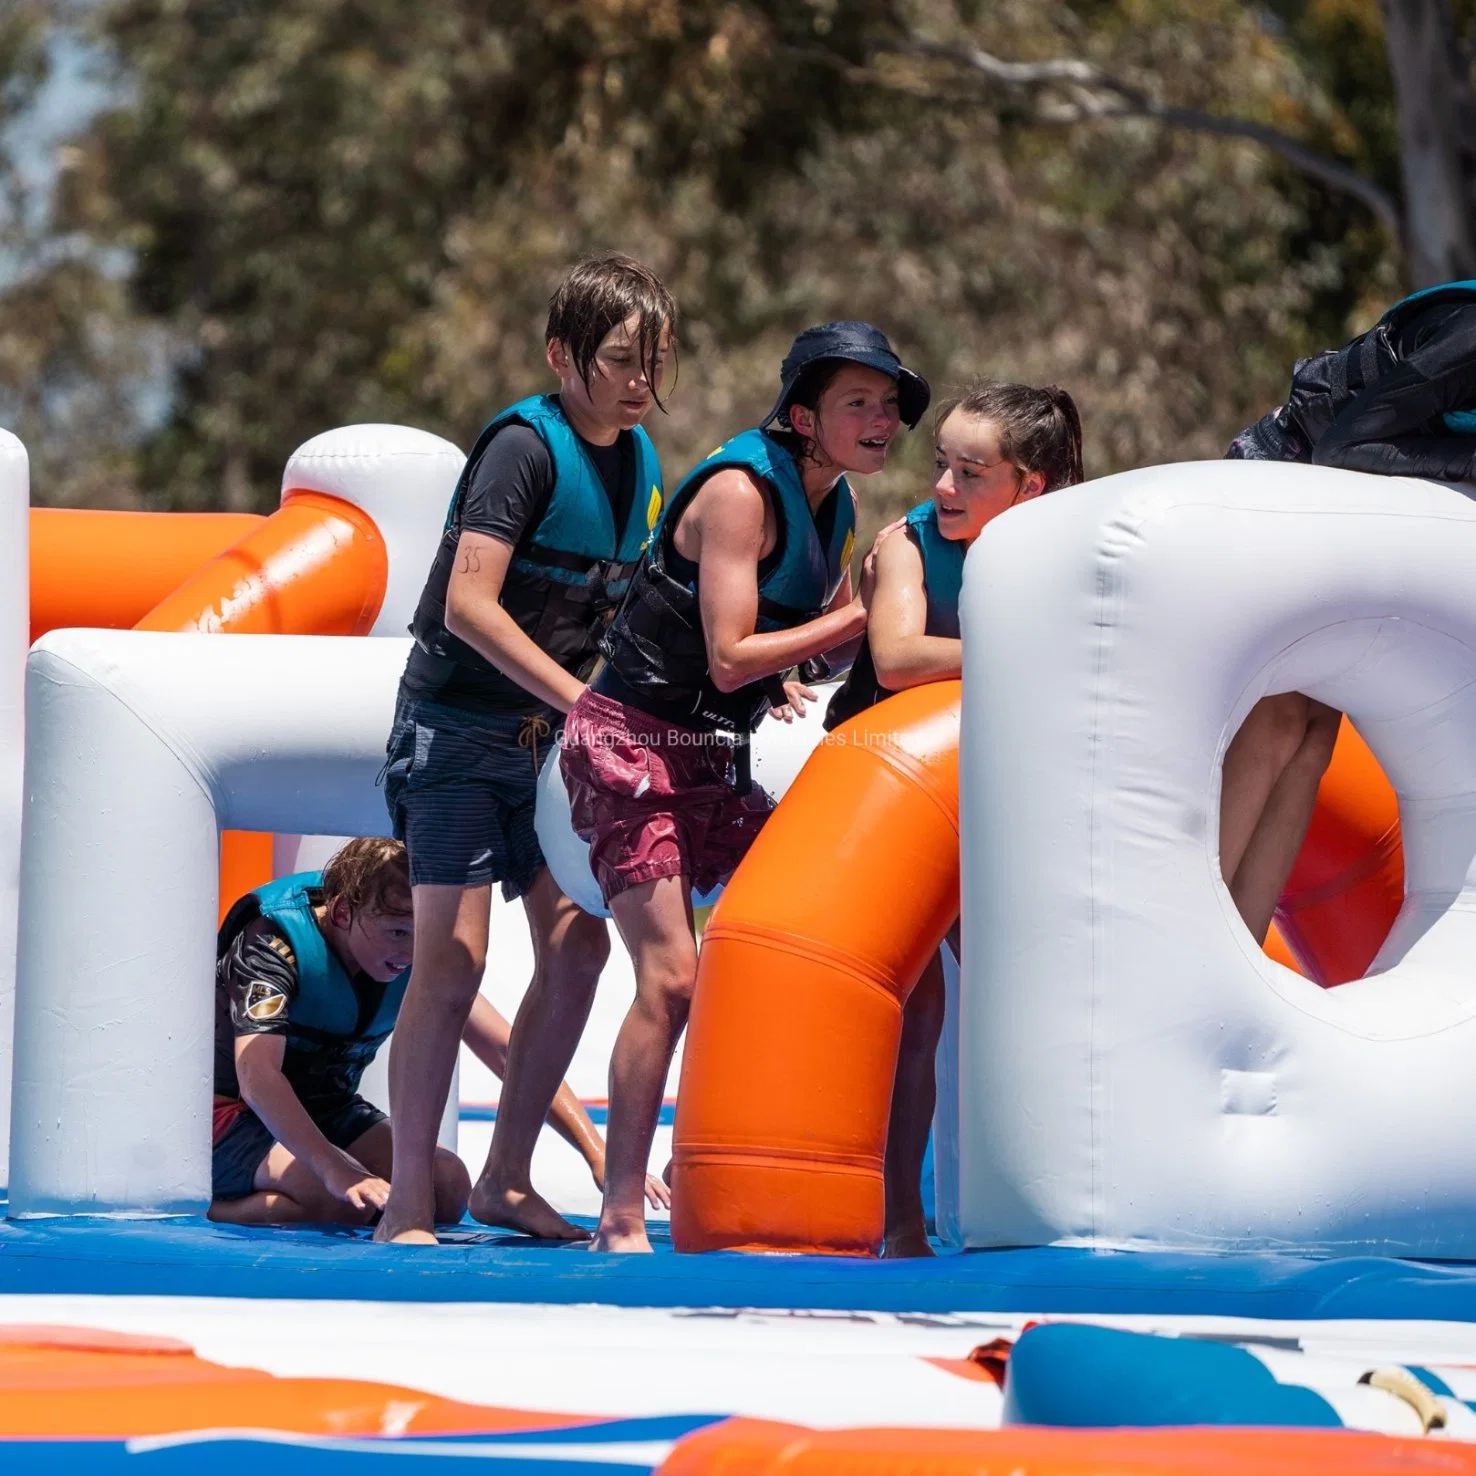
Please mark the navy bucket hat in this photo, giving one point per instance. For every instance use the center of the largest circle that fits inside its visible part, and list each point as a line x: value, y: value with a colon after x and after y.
x: 858, y: 343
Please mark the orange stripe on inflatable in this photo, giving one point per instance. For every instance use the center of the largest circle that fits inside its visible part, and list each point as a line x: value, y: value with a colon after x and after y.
x: 759, y: 1448
x: 317, y: 566
x: 812, y: 950
x: 80, y: 1383
x: 109, y: 569
x: 246, y: 862
x: 1348, y: 883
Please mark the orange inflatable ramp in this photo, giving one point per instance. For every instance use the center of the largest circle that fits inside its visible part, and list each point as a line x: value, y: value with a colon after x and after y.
x: 79, y: 1383
x: 759, y: 1448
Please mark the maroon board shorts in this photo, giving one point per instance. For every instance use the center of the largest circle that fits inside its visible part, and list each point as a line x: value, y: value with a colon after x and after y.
x: 653, y: 798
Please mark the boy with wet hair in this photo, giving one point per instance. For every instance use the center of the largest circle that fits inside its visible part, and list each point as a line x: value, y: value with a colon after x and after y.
x: 544, y: 531
x: 297, y: 1023
x: 309, y: 975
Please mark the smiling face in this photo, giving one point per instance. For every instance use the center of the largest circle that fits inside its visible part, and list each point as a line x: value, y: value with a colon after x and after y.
x: 619, y: 393
x: 972, y: 481
x: 855, y: 421
x: 375, y: 943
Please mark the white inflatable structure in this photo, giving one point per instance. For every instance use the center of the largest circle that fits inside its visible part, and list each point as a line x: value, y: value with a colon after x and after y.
x: 1133, y: 1070
x: 140, y: 747
x: 401, y: 477
x: 15, y: 624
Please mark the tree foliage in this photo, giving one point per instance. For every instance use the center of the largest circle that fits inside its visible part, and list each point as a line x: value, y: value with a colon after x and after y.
x: 338, y: 210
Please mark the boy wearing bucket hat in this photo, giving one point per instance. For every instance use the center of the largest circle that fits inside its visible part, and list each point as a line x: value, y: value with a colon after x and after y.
x: 746, y: 576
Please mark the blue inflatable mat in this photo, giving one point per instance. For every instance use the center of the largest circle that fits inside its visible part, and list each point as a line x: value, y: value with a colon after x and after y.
x: 191, y: 1257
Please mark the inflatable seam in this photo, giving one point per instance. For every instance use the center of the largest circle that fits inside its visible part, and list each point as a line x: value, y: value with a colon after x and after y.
x: 911, y: 769
x: 853, y: 965
x: 803, y: 1158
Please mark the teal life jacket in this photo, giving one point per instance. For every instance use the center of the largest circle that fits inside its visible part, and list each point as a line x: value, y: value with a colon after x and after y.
x: 943, y: 561
x: 656, y: 655
x: 328, y: 1016
x: 567, y: 574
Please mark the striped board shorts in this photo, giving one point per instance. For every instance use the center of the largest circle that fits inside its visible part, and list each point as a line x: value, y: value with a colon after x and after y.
x: 461, y: 788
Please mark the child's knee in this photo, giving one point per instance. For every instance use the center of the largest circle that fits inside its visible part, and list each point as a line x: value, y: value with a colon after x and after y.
x: 1323, y: 726
x: 668, y: 981
x: 1278, y: 725
x: 584, y: 948
x: 452, y: 1187
x: 450, y: 975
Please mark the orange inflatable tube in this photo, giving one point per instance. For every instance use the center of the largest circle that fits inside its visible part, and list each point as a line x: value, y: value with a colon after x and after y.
x: 109, y: 569
x: 806, y: 963
x: 761, y: 1448
x: 316, y: 566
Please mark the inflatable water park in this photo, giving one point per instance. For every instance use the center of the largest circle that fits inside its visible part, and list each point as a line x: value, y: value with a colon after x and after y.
x: 1198, y: 1205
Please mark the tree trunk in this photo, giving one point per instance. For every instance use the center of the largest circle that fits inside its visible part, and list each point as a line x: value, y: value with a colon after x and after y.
x: 1433, y: 92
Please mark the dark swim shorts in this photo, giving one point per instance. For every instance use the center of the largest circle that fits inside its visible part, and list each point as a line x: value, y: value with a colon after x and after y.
x: 242, y: 1139
x: 461, y: 788
x: 653, y: 798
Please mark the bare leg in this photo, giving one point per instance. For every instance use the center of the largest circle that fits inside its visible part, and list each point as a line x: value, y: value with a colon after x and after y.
x: 914, y: 1095
x: 1268, y: 792
x: 375, y: 1150
x: 287, y: 1192
x: 655, y: 920
x: 569, y: 951
x: 445, y: 972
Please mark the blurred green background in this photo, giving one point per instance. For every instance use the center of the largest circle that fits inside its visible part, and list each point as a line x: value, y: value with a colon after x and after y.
x: 226, y: 226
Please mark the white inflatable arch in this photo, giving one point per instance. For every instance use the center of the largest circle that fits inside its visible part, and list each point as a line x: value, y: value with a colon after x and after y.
x: 1133, y: 1071
x: 140, y: 748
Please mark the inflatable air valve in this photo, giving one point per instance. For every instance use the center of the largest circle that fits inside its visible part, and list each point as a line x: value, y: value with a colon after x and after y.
x: 806, y: 963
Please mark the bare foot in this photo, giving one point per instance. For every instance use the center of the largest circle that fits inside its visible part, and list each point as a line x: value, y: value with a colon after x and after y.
x: 621, y: 1241
x: 386, y: 1233
x: 523, y: 1210
x: 912, y: 1241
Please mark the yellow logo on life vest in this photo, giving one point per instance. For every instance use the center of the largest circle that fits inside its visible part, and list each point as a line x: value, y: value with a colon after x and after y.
x: 847, y: 549
x: 653, y: 507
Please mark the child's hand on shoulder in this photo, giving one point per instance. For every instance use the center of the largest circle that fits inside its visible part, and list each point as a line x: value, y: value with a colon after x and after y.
x: 868, y: 564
